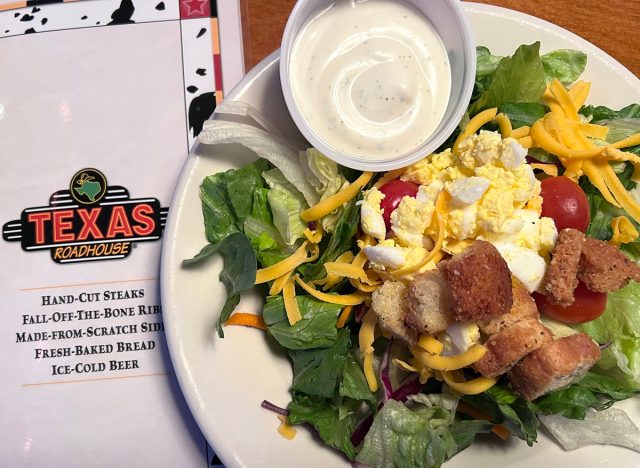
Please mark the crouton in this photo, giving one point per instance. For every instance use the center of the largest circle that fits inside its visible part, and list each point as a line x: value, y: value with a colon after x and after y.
x: 523, y: 307
x: 389, y: 303
x: 480, y: 283
x: 605, y: 268
x: 508, y: 347
x: 562, y: 272
x: 553, y: 366
x: 428, y: 303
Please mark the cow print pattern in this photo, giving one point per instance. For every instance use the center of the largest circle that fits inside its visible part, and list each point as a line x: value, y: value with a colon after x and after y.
x: 199, y: 76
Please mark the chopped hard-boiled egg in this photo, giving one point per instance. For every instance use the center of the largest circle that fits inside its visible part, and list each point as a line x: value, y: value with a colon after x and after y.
x: 529, y: 231
x: 409, y: 221
x: 371, y: 219
x: 491, y: 193
x: 525, y: 264
x: 385, y: 255
x: 463, y: 335
x: 468, y: 190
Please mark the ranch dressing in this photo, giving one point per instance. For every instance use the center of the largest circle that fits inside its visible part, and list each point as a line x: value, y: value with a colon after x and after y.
x: 370, y: 77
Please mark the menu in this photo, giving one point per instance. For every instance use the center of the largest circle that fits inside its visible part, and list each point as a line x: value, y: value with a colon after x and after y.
x: 100, y: 102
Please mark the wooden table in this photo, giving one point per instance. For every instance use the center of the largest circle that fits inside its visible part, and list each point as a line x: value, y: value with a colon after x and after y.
x: 611, y: 25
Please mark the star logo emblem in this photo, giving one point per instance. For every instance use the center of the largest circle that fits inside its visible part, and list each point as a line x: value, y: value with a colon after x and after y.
x: 194, y: 8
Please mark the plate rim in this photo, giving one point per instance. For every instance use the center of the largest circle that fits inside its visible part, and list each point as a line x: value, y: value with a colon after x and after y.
x: 212, y: 432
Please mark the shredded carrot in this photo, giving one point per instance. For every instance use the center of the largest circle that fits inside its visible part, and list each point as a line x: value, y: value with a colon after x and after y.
x: 497, y: 429
x: 344, y: 316
x: 247, y: 320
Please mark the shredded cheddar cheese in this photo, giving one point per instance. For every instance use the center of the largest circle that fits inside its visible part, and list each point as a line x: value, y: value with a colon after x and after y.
x: 470, y: 387
x: 526, y: 142
x: 314, y: 236
x: 366, y: 335
x: 340, y: 299
x: 345, y: 270
x: 344, y: 316
x: 623, y: 231
x: 474, y: 125
x: 290, y: 302
x: 430, y: 344
x: 549, y: 169
x: 389, y: 176
x: 290, y: 263
x: 337, y: 200
x: 579, y: 92
x: 520, y: 132
x: 285, y: 429
x: 444, y: 363
x: 369, y: 374
x: 562, y: 133
x: 278, y: 284
x: 504, y: 124
x: 403, y: 365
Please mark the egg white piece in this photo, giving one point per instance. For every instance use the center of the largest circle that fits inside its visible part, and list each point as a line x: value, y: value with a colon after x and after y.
x: 469, y: 190
x: 385, y: 256
x: 463, y: 335
x: 512, y: 154
x: 371, y: 221
x: 525, y: 264
x: 429, y: 193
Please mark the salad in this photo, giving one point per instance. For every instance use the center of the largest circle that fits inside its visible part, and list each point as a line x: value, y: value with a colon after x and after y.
x: 489, y: 288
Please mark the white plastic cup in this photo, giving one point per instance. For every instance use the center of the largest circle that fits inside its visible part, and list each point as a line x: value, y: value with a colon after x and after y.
x: 449, y: 19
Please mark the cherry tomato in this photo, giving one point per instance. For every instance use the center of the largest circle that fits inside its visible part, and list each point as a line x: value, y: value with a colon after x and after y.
x: 564, y: 201
x: 588, y: 305
x: 394, y: 191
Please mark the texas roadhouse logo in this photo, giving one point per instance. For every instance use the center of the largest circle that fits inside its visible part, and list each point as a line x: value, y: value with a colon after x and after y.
x: 89, y: 221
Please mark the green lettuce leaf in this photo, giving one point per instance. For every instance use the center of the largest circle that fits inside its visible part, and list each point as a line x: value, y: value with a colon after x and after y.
x: 354, y: 384
x: 620, y: 326
x: 317, y: 329
x: 267, y: 242
x: 622, y: 123
x: 324, y: 174
x: 508, y: 409
x: 519, y: 78
x: 422, y: 433
x: 602, y: 212
x: 317, y: 371
x: 227, y: 199
x: 219, y: 217
x: 238, y: 273
x: 603, y: 113
x: 522, y: 113
x: 486, y: 62
x: 342, y: 239
x: 564, y: 64
x: 324, y: 416
x: 593, y: 391
x: 286, y: 203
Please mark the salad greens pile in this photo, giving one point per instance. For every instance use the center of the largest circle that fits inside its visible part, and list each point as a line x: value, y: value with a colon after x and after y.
x: 252, y: 218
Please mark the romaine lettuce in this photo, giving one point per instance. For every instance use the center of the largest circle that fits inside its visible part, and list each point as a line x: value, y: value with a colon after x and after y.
x: 521, y: 78
x: 324, y: 174
x: 619, y: 325
x: 316, y: 329
x: 238, y: 273
x: 566, y: 65
x: 286, y: 203
x: 423, y: 433
x: 324, y: 416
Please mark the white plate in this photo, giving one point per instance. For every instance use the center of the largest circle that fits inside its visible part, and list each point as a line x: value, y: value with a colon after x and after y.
x: 224, y: 381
